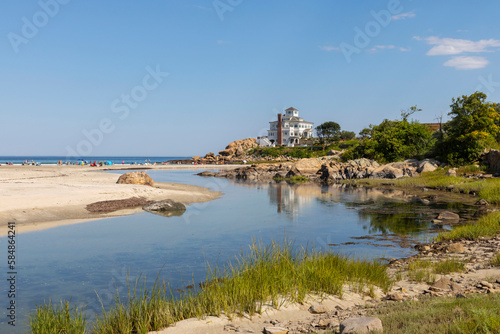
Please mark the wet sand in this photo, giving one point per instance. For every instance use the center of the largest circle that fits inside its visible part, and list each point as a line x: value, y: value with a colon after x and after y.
x: 39, y: 197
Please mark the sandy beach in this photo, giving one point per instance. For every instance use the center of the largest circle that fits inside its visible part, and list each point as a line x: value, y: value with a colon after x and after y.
x: 39, y: 197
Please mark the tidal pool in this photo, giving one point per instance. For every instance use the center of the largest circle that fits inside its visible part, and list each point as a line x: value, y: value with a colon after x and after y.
x: 88, y: 263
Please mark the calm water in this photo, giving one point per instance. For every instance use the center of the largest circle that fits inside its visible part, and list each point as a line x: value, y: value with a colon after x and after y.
x: 52, y: 160
x: 83, y: 260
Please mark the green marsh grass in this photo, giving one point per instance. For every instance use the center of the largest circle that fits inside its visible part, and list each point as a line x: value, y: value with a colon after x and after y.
x: 495, y: 261
x: 266, y: 275
x: 57, y: 319
x: 488, y: 225
x: 475, y: 314
x: 426, y: 270
x: 488, y: 189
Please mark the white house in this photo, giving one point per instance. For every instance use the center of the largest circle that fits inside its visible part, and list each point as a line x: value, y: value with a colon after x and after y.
x: 287, y: 130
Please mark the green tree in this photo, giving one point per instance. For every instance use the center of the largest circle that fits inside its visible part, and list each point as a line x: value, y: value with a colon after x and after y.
x: 330, y: 130
x: 366, y: 132
x: 347, y: 135
x: 474, y: 127
x: 393, y: 141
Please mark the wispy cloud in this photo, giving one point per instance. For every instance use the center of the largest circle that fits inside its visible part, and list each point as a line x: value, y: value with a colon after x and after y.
x: 452, y: 46
x: 377, y: 48
x: 329, y: 48
x: 403, y: 16
x: 467, y: 63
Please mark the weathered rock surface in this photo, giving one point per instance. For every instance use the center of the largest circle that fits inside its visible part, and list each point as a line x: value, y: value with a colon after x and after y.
x: 325, y: 169
x: 238, y: 148
x: 427, y: 165
x: 275, y: 330
x: 451, y: 172
x: 318, y: 309
x: 136, y: 178
x: 361, y: 325
x: 448, y: 215
x: 166, y: 208
x: 308, y: 166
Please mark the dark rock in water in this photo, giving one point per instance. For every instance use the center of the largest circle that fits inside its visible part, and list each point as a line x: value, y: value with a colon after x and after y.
x: 482, y: 202
x: 447, y: 215
x: 165, y: 208
x: 207, y: 174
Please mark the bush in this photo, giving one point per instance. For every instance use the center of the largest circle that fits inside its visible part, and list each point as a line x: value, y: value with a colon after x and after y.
x: 393, y: 141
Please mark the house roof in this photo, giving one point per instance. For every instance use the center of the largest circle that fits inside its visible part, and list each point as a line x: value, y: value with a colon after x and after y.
x: 291, y: 108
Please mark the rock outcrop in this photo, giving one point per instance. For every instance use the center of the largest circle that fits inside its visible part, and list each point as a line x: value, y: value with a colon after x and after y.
x: 327, y: 170
x: 238, y: 148
x: 136, y: 178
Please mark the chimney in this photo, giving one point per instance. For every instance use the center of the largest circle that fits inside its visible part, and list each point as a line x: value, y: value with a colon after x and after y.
x: 280, y: 131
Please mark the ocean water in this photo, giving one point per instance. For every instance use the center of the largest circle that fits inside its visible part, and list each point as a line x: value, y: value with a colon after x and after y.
x: 89, y: 262
x: 52, y: 160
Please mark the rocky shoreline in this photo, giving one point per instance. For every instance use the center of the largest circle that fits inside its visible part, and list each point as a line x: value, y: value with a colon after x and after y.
x: 328, y: 170
x: 355, y: 311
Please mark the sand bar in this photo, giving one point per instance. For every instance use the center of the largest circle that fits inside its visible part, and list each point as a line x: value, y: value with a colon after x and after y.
x: 39, y: 197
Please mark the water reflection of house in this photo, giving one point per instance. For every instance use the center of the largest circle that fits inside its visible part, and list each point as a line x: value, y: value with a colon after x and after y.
x: 288, y: 200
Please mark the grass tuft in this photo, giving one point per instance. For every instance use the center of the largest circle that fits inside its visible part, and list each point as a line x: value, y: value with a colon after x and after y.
x: 495, y: 260
x: 55, y: 319
x: 426, y: 270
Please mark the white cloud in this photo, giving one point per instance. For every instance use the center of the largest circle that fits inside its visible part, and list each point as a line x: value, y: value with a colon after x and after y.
x: 377, y: 48
x: 403, y: 16
x: 467, y: 63
x: 452, y: 46
x: 329, y: 48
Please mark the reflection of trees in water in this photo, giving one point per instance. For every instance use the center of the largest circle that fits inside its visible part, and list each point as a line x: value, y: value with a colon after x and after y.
x: 399, y: 223
x: 380, y: 211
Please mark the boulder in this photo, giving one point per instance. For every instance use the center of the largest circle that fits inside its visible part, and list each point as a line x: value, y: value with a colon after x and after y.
x: 482, y: 202
x: 427, y: 165
x: 239, y: 148
x: 456, y: 247
x: 275, y: 330
x: 136, y: 178
x: 318, y: 309
x: 387, y: 172
x: 293, y: 172
x: 361, y: 325
x: 308, y: 166
x: 451, y: 172
x: 445, y: 284
x: 448, y: 215
x: 165, y: 208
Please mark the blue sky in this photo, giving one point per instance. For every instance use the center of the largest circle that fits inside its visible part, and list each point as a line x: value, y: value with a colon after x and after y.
x: 185, y: 77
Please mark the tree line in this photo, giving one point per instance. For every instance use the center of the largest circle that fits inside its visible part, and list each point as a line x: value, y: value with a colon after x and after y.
x: 474, y: 127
